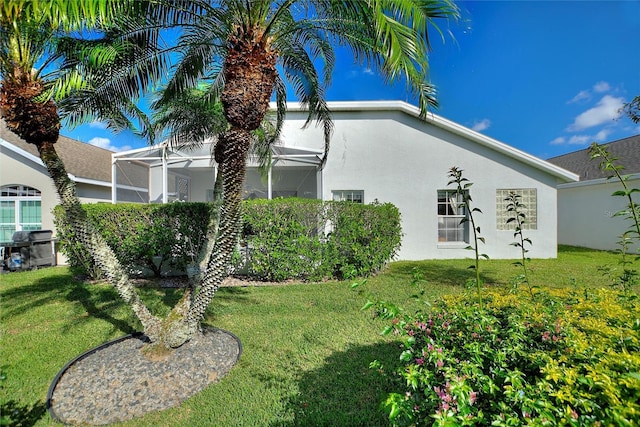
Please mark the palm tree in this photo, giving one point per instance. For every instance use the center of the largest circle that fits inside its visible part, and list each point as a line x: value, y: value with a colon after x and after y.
x: 245, y: 51
x: 30, y: 35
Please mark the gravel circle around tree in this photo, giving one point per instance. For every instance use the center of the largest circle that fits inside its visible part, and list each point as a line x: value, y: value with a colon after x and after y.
x: 116, y: 382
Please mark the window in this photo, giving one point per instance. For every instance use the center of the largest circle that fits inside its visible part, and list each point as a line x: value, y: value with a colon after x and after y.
x: 356, y: 196
x: 528, y: 197
x: 451, y: 213
x: 20, y: 210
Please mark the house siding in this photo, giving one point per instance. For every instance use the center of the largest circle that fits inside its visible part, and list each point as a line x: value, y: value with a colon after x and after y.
x: 586, y: 213
x: 16, y: 170
x: 396, y: 158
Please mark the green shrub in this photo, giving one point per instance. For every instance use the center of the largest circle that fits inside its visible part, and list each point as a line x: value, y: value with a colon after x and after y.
x: 363, y: 238
x: 561, y: 358
x: 281, y: 239
x: 311, y: 239
x: 155, y: 237
x: 285, y: 240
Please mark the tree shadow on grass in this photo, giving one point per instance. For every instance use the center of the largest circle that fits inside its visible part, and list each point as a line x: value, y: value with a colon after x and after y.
x: 345, y: 391
x: 443, y: 272
x: 98, y: 301
x: 20, y: 299
x: 12, y: 413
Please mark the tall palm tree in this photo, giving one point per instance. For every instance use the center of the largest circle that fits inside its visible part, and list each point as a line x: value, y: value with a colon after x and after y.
x: 31, y: 34
x: 246, y: 51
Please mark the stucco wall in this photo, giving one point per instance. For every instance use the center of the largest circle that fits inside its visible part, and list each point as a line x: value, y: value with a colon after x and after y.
x: 396, y: 158
x: 16, y: 169
x: 585, y: 213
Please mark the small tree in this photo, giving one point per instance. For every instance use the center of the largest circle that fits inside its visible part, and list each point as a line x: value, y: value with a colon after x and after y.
x: 516, y: 208
x: 631, y: 213
x: 462, y: 189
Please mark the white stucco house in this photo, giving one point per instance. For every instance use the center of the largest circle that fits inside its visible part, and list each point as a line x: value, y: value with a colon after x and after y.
x: 27, y: 193
x: 586, y: 208
x: 383, y: 151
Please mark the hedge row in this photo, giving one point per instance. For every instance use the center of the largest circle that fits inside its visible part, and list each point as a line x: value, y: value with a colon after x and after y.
x: 281, y: 239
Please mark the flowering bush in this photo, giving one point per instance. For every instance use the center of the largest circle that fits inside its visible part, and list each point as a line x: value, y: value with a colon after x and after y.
x: 557, y: 358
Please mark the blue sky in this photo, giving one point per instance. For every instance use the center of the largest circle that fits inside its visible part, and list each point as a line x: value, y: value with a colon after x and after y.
x: 547, y: 77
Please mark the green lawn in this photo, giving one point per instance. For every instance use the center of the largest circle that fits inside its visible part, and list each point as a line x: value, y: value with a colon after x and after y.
x: 306, y: 348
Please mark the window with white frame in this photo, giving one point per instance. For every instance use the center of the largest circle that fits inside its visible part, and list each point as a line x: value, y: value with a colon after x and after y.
x: 528, y: 199
x: 451, y: 215
x: 356, y: 196
x: 20, y: 210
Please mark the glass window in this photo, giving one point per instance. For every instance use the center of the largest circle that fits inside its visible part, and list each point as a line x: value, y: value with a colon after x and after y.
x: 7, y: 220
x: 356, y: 196
x: 452, y: 213
x: 20, y: 210
x: 529, y: 200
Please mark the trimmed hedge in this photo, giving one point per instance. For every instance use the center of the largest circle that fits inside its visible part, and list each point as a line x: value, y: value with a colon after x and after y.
x: 281, y: 239
x: 154, y: 237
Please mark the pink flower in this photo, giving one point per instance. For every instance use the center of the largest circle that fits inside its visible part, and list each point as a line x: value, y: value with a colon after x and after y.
x: 546, y: 335
x: 420, y: 361
x: 440, y: 363
x: 430, y: 347
x: 472, y: 397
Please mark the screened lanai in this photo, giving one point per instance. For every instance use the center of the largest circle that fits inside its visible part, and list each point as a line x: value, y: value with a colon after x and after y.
x: 188, y: 174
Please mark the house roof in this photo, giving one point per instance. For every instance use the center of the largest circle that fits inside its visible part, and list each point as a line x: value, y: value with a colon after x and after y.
x: 627, y: 151
x: 449, y: 126
x: 84, y: 162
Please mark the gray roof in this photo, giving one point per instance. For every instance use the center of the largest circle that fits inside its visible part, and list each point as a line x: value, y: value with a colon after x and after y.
x: 627, y: 151
x: 80, y: 159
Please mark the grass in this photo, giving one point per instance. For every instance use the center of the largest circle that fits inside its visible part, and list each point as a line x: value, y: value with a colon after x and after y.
x: 306, y: 348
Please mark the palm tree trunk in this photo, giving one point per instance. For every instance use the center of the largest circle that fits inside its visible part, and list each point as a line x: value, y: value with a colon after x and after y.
x: 93, y: 241
x: 38, y: 123
x: 235, y: 143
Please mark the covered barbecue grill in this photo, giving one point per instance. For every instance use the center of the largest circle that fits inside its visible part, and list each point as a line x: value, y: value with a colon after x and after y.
x: 29, y: 249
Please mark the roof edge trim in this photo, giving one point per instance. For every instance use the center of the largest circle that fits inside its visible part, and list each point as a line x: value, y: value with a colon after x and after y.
x: 448, y: 125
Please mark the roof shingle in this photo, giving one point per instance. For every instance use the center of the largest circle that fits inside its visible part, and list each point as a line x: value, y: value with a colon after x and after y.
x: 627, y: 151
x: 80, y: 159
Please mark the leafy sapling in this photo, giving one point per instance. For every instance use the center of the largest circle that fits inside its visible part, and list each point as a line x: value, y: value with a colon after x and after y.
x: 462, y: 190
x: 516, y: 209
x: 631, y: 237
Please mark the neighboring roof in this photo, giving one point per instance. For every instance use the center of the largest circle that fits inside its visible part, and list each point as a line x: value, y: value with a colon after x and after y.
x: 82, y: 161
x: 449, y: 126
x: 627, y: 151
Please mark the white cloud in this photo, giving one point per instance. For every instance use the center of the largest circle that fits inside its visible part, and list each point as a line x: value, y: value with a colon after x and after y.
x: 98, y: 125
x: 369, y: 71
x: 606, y: 110
x: 480, y: 125
x: 583, y: 94
x: 106, y: 144
x: 580, y: 140
x: 601, y: 87
x: 558, y: 141
x: 586, y: 94
x: 602, y: 135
